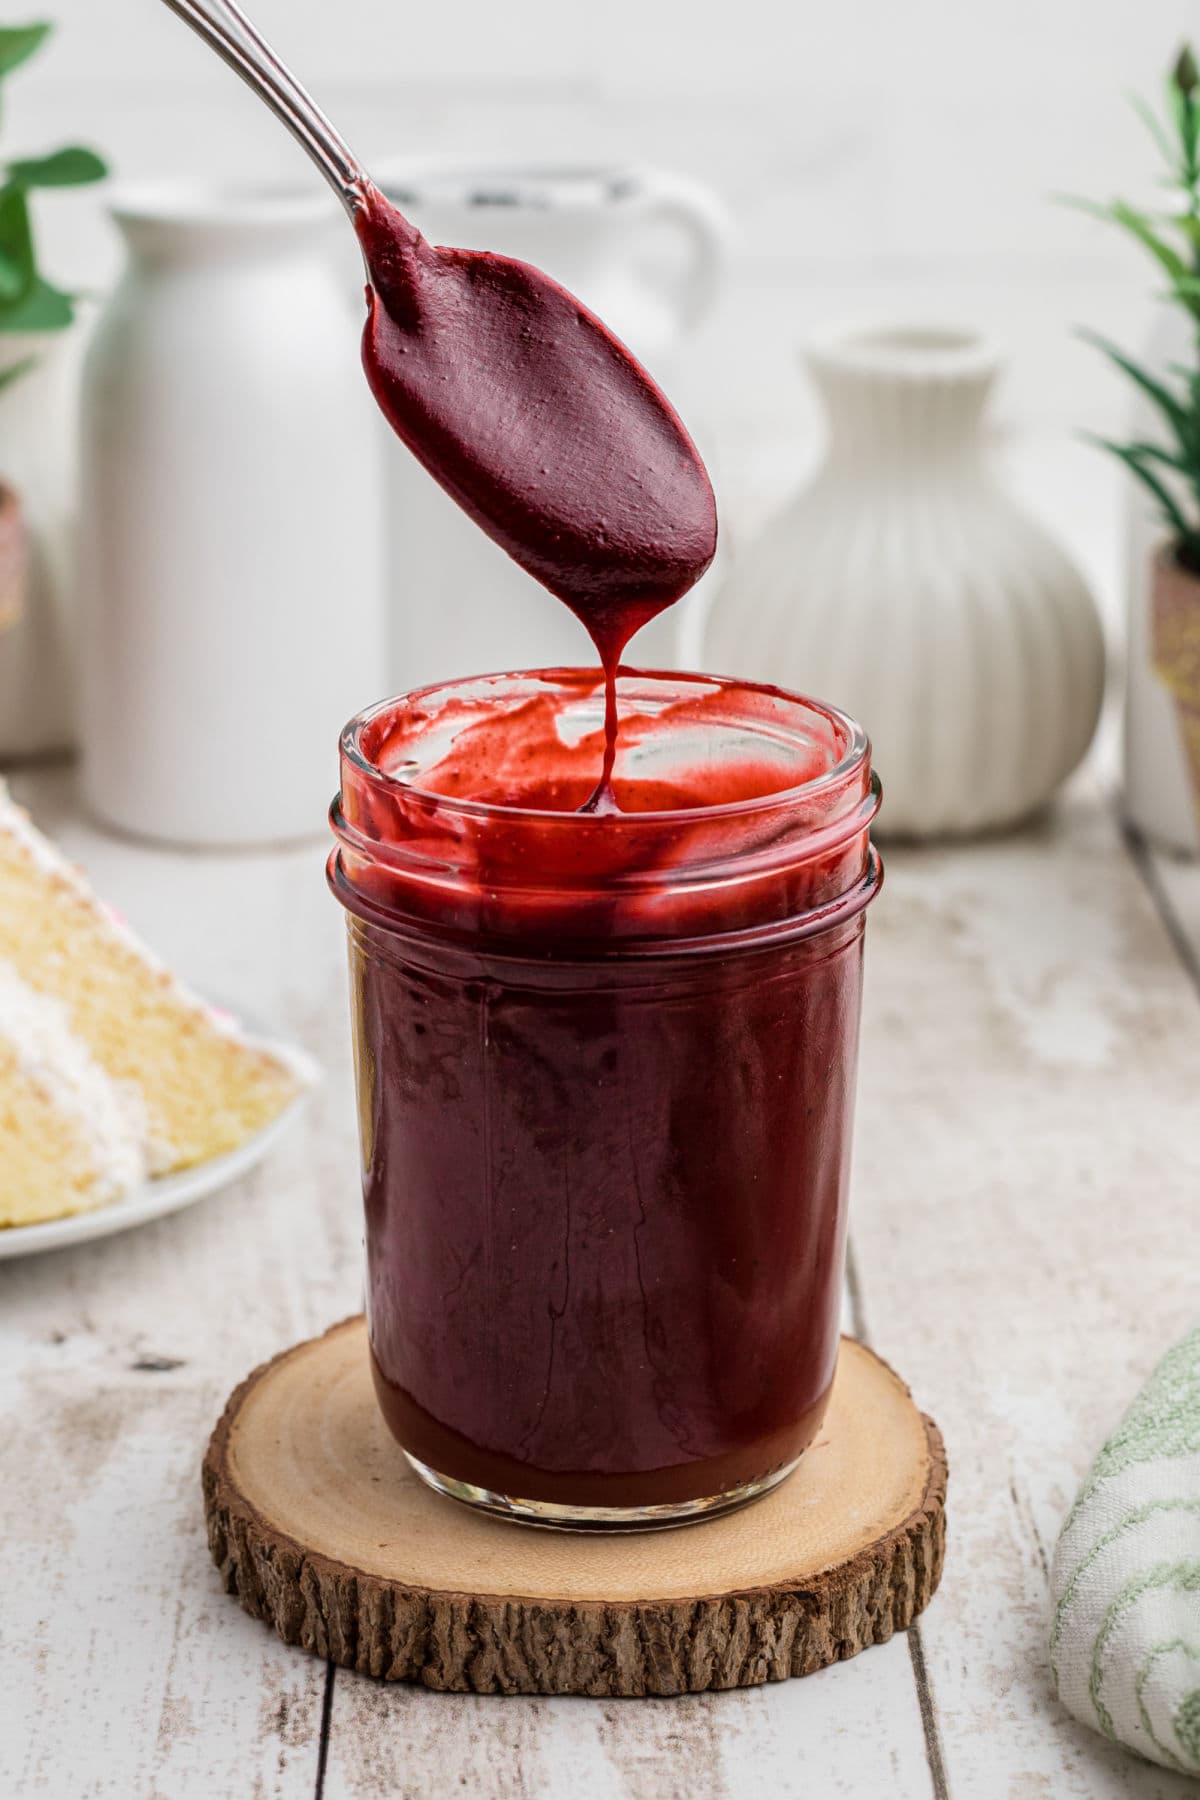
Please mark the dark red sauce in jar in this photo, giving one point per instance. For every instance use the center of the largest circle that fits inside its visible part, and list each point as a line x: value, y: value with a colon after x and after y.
x: 606, y: 1069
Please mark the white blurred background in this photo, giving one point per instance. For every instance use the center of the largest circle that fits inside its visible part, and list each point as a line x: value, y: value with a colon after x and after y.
x: 877, y: 158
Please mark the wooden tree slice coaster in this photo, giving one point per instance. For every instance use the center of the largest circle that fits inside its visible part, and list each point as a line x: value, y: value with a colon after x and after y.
x: 318, y: 1524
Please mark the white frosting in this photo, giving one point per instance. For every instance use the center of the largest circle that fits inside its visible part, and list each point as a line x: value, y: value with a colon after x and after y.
x: 109, y: 1120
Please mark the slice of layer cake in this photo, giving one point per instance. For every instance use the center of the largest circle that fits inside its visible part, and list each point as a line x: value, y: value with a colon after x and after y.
x: 69, y: 1138
x: 88, y: 1007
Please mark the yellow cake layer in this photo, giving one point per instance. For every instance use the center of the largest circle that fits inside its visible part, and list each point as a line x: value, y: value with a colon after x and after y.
x: 49, y: 1168
x: 204, y: 1090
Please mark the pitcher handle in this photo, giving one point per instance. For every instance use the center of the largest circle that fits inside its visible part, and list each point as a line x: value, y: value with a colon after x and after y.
x: 692, y: 209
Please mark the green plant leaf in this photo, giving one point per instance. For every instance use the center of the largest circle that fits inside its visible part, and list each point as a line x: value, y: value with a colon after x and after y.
x: 1185, y: 291
x: 28, y: 302
x: 1167, y: 403
x: 1182, y: 100
x: 1158, y: 131
x: 16, y: 247
x: 43, y: 308
x: 1139, y: 227
x: 1154, y: 453
x: 71, y: 167
x: 1173, y: 512
x: 12, y: 280
x: 8, y: 376
x: 18, y: 43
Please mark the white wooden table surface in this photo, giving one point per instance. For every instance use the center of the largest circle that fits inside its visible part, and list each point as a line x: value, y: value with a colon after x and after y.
x: 1023, y: 1249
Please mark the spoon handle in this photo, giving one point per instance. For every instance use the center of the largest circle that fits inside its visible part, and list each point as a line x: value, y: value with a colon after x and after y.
x: 226, y: 29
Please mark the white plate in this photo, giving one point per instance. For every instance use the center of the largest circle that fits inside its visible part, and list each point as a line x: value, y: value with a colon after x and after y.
x: 167, y: 1193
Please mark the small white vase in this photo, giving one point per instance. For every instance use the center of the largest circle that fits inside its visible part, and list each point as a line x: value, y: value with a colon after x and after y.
x: 38, y: 445
x: 645, y: 250
x: 231, y: 544
x: 906, y: 587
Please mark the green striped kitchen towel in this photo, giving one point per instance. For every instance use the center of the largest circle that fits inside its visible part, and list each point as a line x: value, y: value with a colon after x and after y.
x: 1125, y: 1644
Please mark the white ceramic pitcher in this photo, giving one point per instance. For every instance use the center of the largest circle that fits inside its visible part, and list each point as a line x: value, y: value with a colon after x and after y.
x: 37, y: 458
x: 231, y: 537
x: 642, y: 248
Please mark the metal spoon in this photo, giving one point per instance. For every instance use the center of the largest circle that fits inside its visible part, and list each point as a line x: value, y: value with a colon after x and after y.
x: 226, y: 29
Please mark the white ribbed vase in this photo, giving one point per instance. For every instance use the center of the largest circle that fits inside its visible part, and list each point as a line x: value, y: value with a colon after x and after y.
x: 906, y: 587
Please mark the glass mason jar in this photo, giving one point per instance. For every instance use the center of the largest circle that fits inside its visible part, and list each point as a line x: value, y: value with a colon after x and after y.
x: 605, y: 1068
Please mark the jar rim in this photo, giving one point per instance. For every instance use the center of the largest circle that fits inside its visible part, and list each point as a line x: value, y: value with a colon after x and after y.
x: 496, y: 868
x: 857, y: 751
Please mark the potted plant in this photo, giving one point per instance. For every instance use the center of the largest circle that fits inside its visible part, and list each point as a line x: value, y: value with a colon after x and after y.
x: 1163, y: 455
x: 35, y: 442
